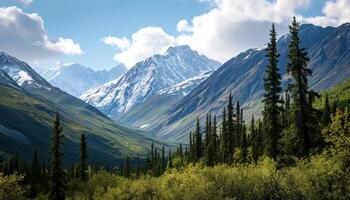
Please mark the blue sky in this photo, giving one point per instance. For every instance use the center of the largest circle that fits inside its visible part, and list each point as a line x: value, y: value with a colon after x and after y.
x: 83, y: 24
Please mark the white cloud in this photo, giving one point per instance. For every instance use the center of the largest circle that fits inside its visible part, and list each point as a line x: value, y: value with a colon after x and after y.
x: 227, y: 29
x: 23, y: 35
x: 144, y: 43
x: 335, y: 13
x: 25, y: 2
x: 121, y: 43
x: 182, y: 26
x: 231, y: 26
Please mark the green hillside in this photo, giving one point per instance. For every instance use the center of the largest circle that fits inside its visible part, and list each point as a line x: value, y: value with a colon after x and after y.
x: 340, y: 93
x: 26, y: 121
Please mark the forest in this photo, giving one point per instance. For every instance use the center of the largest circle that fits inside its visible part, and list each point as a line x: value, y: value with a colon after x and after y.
x: 298, y: 148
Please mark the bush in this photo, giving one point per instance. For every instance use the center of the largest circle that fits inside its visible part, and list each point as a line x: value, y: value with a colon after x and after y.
x: 10, y: 188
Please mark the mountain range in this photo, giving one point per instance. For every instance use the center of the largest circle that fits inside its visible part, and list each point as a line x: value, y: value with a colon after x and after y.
x: 28, y: 104
x: 76, y: 79
x: 146, y: 78
x: 242, y: 75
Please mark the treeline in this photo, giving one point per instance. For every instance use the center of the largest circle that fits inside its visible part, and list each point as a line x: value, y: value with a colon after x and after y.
x: 290, y: 126
x: 46, y: 176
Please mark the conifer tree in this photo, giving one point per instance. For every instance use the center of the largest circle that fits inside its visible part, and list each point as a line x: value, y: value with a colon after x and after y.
x: 254, y: 141
x: 170, y: 160
x: 83, y: 163
x: 138, y: 170
x: 152, y: 157
x: 163, y: 159
x: 127, y: 167
x: 58, y: 176
x: 244, y: 146
x: 272, y: 107
x: 303, y: 112
x: 181, y: 155
x: 224, y: 140
x: 198, y: 146
x: 215, y: 141
x: 121, y: 167
x: 238, y: 126
x: 326, y: 115
x: 231, y: 134
x: 191, y: 150
x: 35, y: 175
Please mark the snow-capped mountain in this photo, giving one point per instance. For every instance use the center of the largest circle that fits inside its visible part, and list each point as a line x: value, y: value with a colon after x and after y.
x: 148, y: 77
x: 76, y: 79
x: 328, y: 50
x: 18, y: 73
x: 148, y: 112
x: 186, y: 86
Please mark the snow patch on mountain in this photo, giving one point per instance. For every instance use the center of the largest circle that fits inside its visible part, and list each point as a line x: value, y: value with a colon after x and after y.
x: 148, y: 77
x: 76, y: 79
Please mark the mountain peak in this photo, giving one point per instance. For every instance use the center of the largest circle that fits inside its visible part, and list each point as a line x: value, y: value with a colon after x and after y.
x: 181, y: 49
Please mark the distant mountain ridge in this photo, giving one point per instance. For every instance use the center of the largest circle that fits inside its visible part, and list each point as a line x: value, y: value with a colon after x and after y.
x: 28, y: 104
x: 146, y: 78
x: 76, y: 79
x: 329, y: 53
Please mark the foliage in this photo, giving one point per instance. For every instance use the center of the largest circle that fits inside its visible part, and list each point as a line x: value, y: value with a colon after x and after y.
x: 10, y: 188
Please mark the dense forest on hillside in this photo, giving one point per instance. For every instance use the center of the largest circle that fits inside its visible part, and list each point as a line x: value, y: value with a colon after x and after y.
x: 298, y: 149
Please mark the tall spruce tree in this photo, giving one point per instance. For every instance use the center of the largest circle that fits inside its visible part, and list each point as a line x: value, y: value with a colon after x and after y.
x: 244, y: 145
x: 272, y: 107
x: 82, y: 173
x: 326, y: 115
x: 127, y: 171
x: 238, y: 126
x: 170, y: 160
x: 138, y: 169
x: 35, y: 175
x: 303, y: 112
x: 198, y: 143
x: 254, y: 141
x: 163, y: 159
x: 224, y: 140
x: 58, y: 175
x: 231, y: 133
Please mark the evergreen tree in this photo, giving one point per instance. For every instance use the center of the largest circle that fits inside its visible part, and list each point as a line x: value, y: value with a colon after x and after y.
x: 127, y: 167
x: 224, y: 140
x: 238, y: 126
x: 170, y: 160
x: 215, y: 141
x: 272, y: 107
x: 35, y: 175
x: 254, y: 141
x: 303, y: 132
x: 244, y: 146
x: 58, y: 176
x: 231, y: 134
x: 198, y: 146
x: 191, y: 150
x: 152, y: 158
x: 83, y: 156
x: 326, y: 115
x: 181, y: 155
x: 138, y: 170
x: 163, y: 159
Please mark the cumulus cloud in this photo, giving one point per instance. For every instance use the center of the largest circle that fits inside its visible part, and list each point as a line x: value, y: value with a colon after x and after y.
x: 144, y: 43
x: 227, y: 29
x: 23, y: 35
x: 25, y: 2
x: 121, y: 43
x: 335, y: 13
